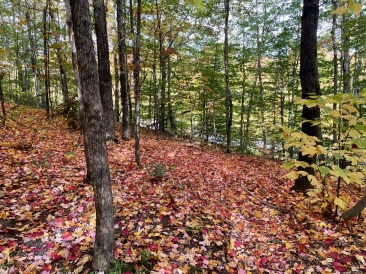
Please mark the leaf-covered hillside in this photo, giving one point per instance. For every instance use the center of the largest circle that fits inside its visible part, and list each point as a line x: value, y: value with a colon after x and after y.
x: 191, y: 209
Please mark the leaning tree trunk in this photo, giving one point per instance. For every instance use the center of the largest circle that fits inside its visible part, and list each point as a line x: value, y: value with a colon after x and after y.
x: 355, y: 210
x: 105, y: 78
x: 309, y: 83
x: 94, y: 134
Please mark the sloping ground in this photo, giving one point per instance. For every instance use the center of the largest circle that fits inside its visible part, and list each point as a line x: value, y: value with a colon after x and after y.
x: 191, y: 209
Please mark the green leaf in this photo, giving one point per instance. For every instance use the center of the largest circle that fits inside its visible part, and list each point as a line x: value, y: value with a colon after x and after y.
x: 288, y: 165
x: 301, y: 164
x: 324, y: 170
x: 355, y: 8
x: 361, y: 127
x: 360, y: 142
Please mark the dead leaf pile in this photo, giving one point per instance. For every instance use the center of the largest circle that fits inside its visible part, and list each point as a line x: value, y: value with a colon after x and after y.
x: 205, y: 211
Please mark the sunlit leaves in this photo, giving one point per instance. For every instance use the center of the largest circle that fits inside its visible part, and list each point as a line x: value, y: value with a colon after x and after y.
x: 350, y: 6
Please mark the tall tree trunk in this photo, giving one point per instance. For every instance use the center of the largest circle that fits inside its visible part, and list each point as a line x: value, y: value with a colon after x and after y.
x: 63, y: 77
x: 309, y: 83
x: 335, y: 68
x: 76, y: 69
x: 95, y: 139
x: 123, y: 69
x: 170, y: 108
x: 137, y: 86
x: 46, y: 60
x: 242, y: 105
x: 33, y: 56
x: 259, y: 68
x: 346, y: 58
x: 105, y: 78
x: 228, y: 102
x: 3, y: 116
x: 116, y: 90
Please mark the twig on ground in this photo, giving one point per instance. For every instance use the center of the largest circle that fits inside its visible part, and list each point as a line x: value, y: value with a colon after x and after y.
x: 268, y: 204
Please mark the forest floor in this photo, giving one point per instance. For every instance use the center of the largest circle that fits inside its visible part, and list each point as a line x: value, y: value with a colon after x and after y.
x: 191, y: 209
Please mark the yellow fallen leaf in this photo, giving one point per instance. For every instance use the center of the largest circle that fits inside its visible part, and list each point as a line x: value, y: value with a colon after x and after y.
x: 83, y: 261
x: 64, y: 253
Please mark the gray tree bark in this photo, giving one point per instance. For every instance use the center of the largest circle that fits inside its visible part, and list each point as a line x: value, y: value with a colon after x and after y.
x: 105, y: 78
x: 94, y: 135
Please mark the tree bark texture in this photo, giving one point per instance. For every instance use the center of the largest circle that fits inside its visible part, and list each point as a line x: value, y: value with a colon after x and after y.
x: 137, y: 86
x: 309, y: 83
x: 121, y: 31
x: 94, y: 135
x: 105, y: 78
x: 355, y: 210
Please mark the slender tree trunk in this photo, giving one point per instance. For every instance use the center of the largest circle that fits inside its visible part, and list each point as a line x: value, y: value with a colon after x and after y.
x: 346, y: 58
x: 95, y: 139
x: 229, y: 103
x: 116, y: 90
x: 33, y: 56
x: 335, y: 68
x: 76, y: 69
x: 242, y: 105
x: 46, y: 60
x: 105, y: 78
x: 170, y: 108
x: 123, y: 69
x: 3, y: 117
x: 63, y: 77
x: 137, y: 86
x: 261, y: 91
x: 309, y: 83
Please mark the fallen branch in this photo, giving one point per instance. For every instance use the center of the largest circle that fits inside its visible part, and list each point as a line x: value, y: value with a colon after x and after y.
x: 268, y: 204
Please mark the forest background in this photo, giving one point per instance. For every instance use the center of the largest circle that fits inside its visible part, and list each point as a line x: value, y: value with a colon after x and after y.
x: 206, y: 74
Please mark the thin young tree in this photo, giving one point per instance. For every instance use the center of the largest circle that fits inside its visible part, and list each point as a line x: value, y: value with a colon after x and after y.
x: 137, y: 86
x: 309, y: 83
x: 105, y: 78
x: 94, y: 135
x: 229, y: 102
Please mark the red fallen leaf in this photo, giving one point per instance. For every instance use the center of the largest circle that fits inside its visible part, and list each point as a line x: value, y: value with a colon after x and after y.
x: 12, y: 243
x: 47, y: 267
x: 55, y: 256
x: 175, y: 265
x: 236, y: 243
x: 50, y: 245
x: 328, y: 241
x: 36, y: 234
x: 2, y: 248
x: 153, y: 247
x: 175, y: 239
x: 125, y: 232
x: 74, y: 257
x: 232, y: 253
x: 66, y: 235
x: 116, y: 253
x: 333, y: 255
x: 338, y: 266
x: 204, y: 231
x: 127, y: 272
x: 264, y: 260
